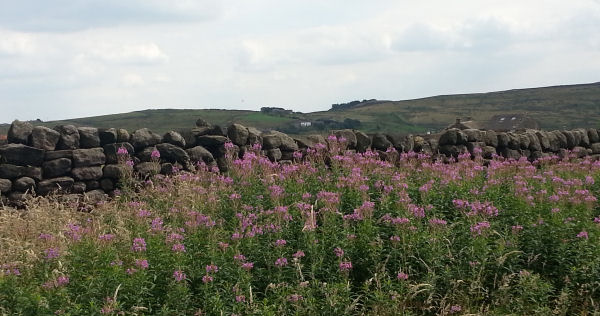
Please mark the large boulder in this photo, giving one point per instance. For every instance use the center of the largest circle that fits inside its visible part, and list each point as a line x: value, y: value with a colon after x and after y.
x: 584, y: 139
x: 32, y: 172
x: 62, y: 184
x: 408, y: 143
x: 87, y: 173
x: 108, y: 136
x: 488, y: 152
x: 172, y: 153
x: 107, y: 185
x: 452, y: 136
x: 534, y: 142
x: 254, y: 136
x: 570, y: 139
x: 543, y: 140
x: 490, y: 138
x: 380, y: 142
x: 275, y: 139
x: 524, y: 141
x: 238, y: 134
x: 55, y: 154
x: 23, y: 155
x: 510, y: 153
x: 19, y: 132
x: 5, y: 186
x: 88, y: 157
x: 595, y: 148
x: 123, y: 135
x: 115, y: 171
x: 593, y: 135
x: 348, y: 135
x: 562, y: 139
x: 453, y: 150
x: 217, y: 130
x: 143, y: 138
x: 503, y: 139
x: 10, y: 171
x: 200, y: 153
x: 274, y: 154
x: 174, y: 138
x: 363, y: 142
x: 24, y: 184
x: 474, y: 146
x: 88, y: 137
x: 44, y: 138
x: 211, y: 141
x: 145, y: 155
x: 513, y: 141
x: 111, y: 150
x: 57, y: 167
x: 69, y: 137
x: 473, y: 135
x: 146, y: 169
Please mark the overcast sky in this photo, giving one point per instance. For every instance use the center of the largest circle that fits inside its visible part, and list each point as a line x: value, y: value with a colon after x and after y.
x: 75, y: 58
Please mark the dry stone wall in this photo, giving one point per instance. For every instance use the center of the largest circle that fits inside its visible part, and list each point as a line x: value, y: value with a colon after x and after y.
x: 75, y: 160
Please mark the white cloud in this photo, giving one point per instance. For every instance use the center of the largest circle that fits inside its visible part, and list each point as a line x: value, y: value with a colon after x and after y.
x: 146, y: 53
x: 14, y: 43
x: 70, y: 58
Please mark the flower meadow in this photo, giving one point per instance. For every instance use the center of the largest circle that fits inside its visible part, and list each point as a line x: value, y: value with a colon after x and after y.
x: 335, y: 232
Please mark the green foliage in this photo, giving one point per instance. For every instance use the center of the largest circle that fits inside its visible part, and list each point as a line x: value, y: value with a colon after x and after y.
x: 356, y: 237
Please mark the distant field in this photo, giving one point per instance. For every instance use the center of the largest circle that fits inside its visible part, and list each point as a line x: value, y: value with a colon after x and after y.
x: 556, y: 107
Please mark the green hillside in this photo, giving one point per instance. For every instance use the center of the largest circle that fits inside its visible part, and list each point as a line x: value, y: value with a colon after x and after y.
x: 553, y: 107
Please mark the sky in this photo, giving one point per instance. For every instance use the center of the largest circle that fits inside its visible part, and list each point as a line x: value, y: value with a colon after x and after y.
x: 76, y: 58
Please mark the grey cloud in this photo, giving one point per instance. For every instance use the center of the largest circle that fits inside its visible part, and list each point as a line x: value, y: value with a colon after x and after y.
x: 74, y: 15
x: 420, y: 37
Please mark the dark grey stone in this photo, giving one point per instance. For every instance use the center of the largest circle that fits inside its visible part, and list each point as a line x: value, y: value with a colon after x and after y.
x: 79, y: 187
x: 44, y: 138
x: 108, y: 136
x: 87, y: 173
x: 32, y: 172
x: 88, y: 137
x: 171, y: 153
x: 380, y: 142
x: 238, y: 134
x: 10, y: 171
x: 143, y: 138
x: 115, y: 171
x: 363, y: 142
x: 24, y: 184
x: 51, y: 155
x: 57, y: 167
x: 146, y: 169
x: 200, y: 153
x: 22, y: 155
x: 62, y: 184
x: 5, y: 185
x: 111, y: 150
x: 593, y: 135
x: 349, y: 135
x: 213, y: 141
x: 174, y: 138
x: 19, y: 132
x: 122, y: 135
x: 274, y: 154
x: 88, y: 157
x: 107, y: 185
x: 69, y: 137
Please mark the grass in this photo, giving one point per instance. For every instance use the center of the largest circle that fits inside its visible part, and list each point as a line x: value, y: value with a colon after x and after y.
x: 353, y: 236
x: 558, y: 107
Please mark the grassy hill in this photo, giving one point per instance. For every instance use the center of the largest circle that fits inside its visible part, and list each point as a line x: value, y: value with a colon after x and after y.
x: 555, y: 107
